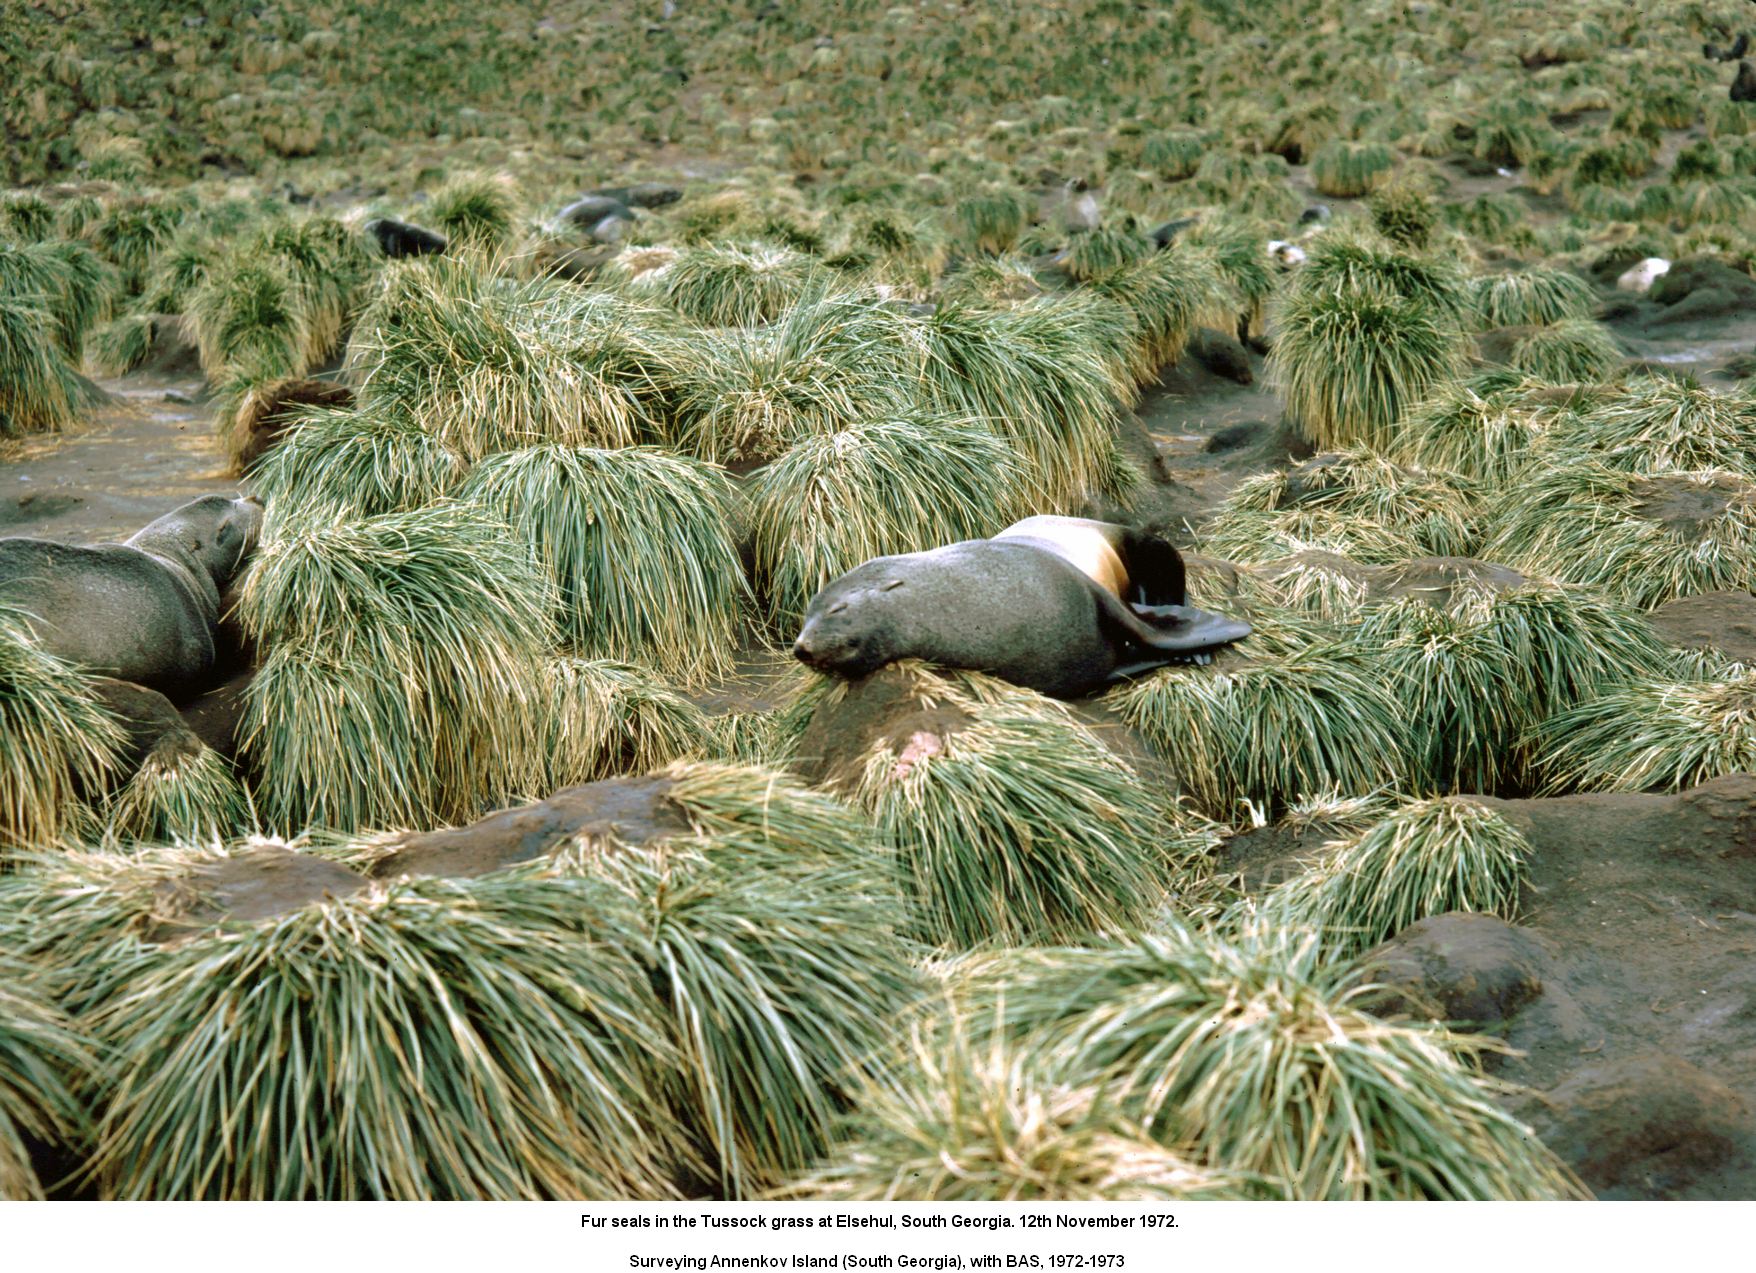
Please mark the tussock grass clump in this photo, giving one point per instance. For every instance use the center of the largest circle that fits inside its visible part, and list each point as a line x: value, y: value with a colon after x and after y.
x: 1251, y: 1050
x: 991, y: 222
x: 610, y: 718
x: 737, y: 285
x: 1535, y: 296
x: 638, y: 543
x: 1428, y: 857
x: 1480, y: 428
x: 417, y: 1040
x: 489, y: 364
x: 122, y: 344
x: 1103, y: 249
x: 1320, y: 719
x: 1643, y: 539
x: 1351, y: 260
x: 40, y: 392
x: 1169, y: 294
x: 875, y: 488
x: 1403, y: 212
x: 828, y: 363
x: 1236, y: 246
x: 1654, y: 734
x: 1045, y: 378
x: 57, y: 742
x: 27, y: 216
x: 403, y: 682
x: 45, y: 1060
x: 1432, y: 508
x: 770, y: 939
x: 329, y: 264
x: 1348, y: 170
x: 177, y: 270
x: 68, y: 279
x: 248, y: 319
x: 128, y: 231
x: 989, y: 281
x: 183, y: 792
x: 1176, y: 154
x: 1018, y: 826
x: 955, y: 1120
x: 476, y: 211
x: 1655, y: 423
x: 1574, y: 350
x: 336, y: 465
x: 1349, y: 363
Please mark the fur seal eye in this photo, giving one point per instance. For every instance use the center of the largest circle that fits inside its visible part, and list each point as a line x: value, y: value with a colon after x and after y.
x: 893, y: 584
x: 837, y: 608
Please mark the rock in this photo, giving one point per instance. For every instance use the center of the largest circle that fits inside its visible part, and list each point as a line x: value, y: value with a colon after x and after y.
x: 1475, y: 970
x: 1649, y: 1125
x: 1640, y: 278
x: 1222, y: 355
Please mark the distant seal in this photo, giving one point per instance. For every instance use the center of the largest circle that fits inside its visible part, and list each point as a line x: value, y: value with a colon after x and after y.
x: 644, y: 194
x: 397, y: 239
x: 1744, y: 86
x: 1062, y: 605
x: 143, y: 610
x: 592, y: 210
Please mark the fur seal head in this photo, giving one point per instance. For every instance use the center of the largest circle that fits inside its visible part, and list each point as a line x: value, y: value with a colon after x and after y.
x: 208, y: 537
x: 850, y: 628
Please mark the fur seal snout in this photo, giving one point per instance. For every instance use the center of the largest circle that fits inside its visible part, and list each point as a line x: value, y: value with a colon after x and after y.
x: 1062, y: 605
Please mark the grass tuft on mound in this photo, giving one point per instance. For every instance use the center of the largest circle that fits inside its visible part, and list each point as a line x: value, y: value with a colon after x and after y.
x: 1349, y: 363
x: 1641, y: 539
x: 45, y: 1060
x: 57, y: 742
x: 737, y: 285
x: 639, y: 545
x: 875, y: 488
x: 1348, y: 169
x: 1532, y: 297
x: 1267, y: 733
x: 1481, y: 428
x: 1651, y: 735
x: 337, y: 465
x: 1573, y: 350
x: 40, y: 392
x: 1428, y: 857
x: 1168, y: 294
x: 1018, y: 825
x: 1656, y: 423
x: 955, y: 1120
x: 401, y: 683
x: 183, y: 793
x: 608, y: 719
x: 476, y: 211
x: 1250, y: 1050
x: 248, y: 319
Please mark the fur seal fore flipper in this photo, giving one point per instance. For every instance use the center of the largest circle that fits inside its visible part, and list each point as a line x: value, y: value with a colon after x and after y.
x: 1172, y: 630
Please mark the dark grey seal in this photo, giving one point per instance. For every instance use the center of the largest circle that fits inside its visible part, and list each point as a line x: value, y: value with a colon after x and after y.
x: 1061, y: 605
x: 398, y: 239
x: 143, y: 610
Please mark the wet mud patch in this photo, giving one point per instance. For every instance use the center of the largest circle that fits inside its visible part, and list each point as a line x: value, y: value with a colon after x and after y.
x: 1722, y: 621
x: 259, y: 884
x: 1688, y: 508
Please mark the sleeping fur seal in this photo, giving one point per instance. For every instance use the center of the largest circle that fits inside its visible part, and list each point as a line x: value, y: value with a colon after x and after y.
x: 1057, y: 604
x: 143, y: 610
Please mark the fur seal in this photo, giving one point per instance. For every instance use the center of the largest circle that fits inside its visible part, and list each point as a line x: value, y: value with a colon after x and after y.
x: 144, y: 610
x: 1744, y: 86
x: 1063, y: 605
x: 397, y: 239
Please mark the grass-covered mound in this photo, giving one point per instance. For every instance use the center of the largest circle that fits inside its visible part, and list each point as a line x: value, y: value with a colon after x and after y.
x: 737, y: 285
x: 58, y: 745
x: 1651, y: 424
x: 40, y: 391
x: 1269, y: 730
x: 1653, y: 734
x: 1533, y: 297
x: 1009, y: 821
x: 337, y: 464
x: 878, y: 487
x: 639, y: 544
x: 1486, y: 428
x: 1641, y: 538
x: 183, y: 792
x: 1428, y: 857
x: 608, y: 718
x: 960, y: 1120
x: 402, y: 682
x: 1250, y: 1052
x: 45, y: 1061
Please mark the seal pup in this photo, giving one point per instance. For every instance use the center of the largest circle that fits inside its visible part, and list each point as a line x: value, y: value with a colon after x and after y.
x: 144, y: 610
x: 398, y: 239
x: 1063, y: 605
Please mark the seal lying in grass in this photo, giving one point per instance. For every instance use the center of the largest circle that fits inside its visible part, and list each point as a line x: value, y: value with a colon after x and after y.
x: 143, y: 610
x: 1057, y: 604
